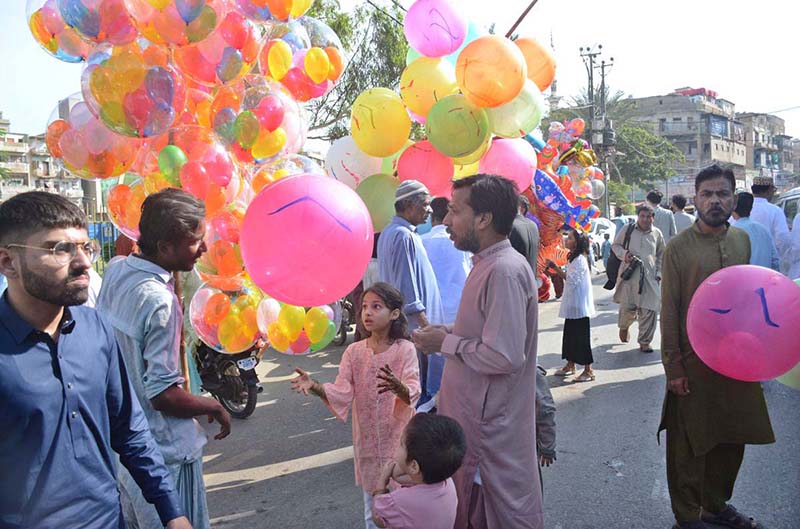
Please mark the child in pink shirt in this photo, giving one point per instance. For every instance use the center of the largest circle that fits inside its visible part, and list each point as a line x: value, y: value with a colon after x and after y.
x: 379, y: 378
x: 430, y: 451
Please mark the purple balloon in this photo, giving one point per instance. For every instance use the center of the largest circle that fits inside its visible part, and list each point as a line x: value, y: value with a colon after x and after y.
x: 435, y: 28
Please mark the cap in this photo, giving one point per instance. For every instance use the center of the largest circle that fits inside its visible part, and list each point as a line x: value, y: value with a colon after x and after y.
x: 763, y: 181
x: 410, y: 188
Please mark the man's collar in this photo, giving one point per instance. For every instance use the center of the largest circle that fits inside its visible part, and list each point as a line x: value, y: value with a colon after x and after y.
x: 403, y: 222
x: 21, y: 329
x: 142, y: 264
x: 491, y: 250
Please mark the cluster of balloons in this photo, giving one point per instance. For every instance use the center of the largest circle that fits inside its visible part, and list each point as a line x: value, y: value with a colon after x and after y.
x: 207, y: 96
x: 477, y: 95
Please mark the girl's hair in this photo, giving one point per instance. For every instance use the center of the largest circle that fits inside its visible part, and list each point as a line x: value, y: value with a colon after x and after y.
x: 393, y: 299
x: 581, y: 246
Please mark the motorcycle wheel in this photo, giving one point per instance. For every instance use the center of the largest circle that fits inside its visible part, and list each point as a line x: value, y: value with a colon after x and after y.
x: 241, y: 409
x: 348, y: 318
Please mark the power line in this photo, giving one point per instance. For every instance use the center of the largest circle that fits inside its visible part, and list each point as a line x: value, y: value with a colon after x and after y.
x: 784, y: 110
x: 384, y: 12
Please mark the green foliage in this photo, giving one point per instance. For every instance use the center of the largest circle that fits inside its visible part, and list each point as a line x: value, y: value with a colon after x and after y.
x: 618, y: 192
x: 376, y: 48
x: 644, y: 159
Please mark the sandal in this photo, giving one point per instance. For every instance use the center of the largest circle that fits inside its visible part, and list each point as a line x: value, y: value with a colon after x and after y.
x: 645, y: 348
x: 730, y: 517
x: 623, y: 335
x: 585, y: 377
x: 564, y: 372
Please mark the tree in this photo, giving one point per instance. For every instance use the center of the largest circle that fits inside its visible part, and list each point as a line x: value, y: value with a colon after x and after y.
x: 376, y: 45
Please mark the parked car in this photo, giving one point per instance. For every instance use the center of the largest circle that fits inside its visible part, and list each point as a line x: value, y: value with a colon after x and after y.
x: 789, y: 202
x: 601, y: 226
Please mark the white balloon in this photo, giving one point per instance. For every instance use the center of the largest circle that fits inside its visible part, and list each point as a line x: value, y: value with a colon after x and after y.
x: 348, y: 164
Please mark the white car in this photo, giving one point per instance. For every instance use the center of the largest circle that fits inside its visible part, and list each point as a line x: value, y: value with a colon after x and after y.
x: 601, y: 226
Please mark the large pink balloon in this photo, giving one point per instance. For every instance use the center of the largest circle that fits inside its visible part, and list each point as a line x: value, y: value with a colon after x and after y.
x: 424, y: 163
x: 743, y: 323
x: 435, y: 27
x: 513, y: 159
x: 306, y: 240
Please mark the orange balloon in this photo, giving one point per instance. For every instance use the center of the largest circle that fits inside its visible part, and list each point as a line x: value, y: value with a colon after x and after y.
x: 54, y: 132
x: 491, y: 71
x: 217, y: 308
x: 225, y: 258
x: 337, y: 63
x: 215, y: 200
x: 540, y: 62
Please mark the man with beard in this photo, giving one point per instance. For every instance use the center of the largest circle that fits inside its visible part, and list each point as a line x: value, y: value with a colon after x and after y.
x: 138, y: 296
x: 708, y: 417
x: 489, y: 379
x: 65, y: 396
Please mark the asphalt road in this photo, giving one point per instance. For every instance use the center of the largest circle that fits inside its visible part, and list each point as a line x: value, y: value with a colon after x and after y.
x: 290, y: 466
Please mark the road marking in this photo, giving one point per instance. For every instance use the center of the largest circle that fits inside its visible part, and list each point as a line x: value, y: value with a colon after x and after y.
x: 237, y: 460
x: 225, y: 480
x: 266, y: 403
x: 234, y: 517
x: 304, y: 434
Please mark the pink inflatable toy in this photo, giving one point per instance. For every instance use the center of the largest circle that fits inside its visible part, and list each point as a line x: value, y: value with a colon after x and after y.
x: 306, y: 240
x: 513, y: 159
x: 435, y: 27
x: 743, y: 323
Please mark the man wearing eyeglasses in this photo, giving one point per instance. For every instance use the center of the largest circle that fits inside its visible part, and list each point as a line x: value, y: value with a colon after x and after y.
x: 65, y: 397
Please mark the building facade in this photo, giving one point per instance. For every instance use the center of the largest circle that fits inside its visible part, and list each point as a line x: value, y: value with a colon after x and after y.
x: 770, y: 152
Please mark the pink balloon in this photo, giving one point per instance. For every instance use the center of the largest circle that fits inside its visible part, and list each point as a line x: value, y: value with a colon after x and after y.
x: 435, y: 27
x: 514, y: 159
x: 300, y: 345
x: 270, y: 112
x: 743, y: 322
x: 424, y: 163
x: 306, y: 240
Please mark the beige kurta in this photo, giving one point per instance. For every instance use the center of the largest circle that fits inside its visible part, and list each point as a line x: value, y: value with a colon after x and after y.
x: 489, y: 387
x: 718, y: 409
x: 649, y: 247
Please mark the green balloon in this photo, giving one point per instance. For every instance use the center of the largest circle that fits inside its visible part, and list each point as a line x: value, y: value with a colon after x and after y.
x: 456, y: 127
x: 246, y: 129
x: 519, y: 116
x: 327, y: 338
x: 170, y: 160
x: 377, y: 192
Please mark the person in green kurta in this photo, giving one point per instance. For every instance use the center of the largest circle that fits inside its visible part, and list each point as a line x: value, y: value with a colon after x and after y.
x: 708, y: 417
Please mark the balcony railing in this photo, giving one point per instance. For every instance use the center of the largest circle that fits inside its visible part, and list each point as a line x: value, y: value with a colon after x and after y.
x: 10, y: 146
x: 15, y: 167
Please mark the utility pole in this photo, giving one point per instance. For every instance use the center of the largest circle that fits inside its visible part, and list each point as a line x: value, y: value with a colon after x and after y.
x: 599, y: 129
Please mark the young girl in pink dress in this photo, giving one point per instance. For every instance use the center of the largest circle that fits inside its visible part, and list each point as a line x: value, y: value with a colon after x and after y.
x: 379, y: 378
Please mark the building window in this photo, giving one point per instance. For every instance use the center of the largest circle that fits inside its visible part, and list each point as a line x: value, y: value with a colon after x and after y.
x: 689, y: 149
x: 716, y: 147
x: 706, y: 148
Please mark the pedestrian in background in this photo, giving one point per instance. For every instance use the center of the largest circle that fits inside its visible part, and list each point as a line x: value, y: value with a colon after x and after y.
x: 638, y: 289
x: 524, y: 234
x: 663, y: 219
x: 605, y: 249
x: 762, y: 248
x: 379, y: 379
x: 682, y: 219
x: 577, y: 308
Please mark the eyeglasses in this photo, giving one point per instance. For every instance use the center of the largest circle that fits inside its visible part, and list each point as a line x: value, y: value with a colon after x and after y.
x: 65, y: 251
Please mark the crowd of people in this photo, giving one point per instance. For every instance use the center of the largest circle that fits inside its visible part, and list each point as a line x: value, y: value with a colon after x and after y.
x: 451, y: 415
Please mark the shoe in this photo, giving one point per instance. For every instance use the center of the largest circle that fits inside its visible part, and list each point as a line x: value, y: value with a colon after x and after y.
x: 623, y: 335
x: 645, y: 348
x: 564, y: 372
x: 690, y: 525
x: 585, y: 377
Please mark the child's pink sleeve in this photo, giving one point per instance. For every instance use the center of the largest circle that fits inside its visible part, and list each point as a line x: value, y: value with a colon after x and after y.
x: 410, y: 377
x: 385, y: 509
x: 341, y: 392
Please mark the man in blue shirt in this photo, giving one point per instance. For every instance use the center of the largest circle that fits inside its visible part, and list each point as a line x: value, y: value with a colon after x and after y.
x: 404, y: 264
x: 138, y: 297
x: 762, y: 248
x: 65, y: 398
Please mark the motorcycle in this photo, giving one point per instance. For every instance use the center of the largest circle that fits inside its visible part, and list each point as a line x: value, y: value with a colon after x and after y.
x: 348, y: 319
x: 231, y: 378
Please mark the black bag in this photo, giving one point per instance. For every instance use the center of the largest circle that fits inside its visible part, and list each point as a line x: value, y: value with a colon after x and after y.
x: 612, y: 270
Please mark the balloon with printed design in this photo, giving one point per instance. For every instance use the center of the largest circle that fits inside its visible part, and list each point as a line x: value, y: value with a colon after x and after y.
x: 224, y: 315
x: 225, y: 56
x: 346, y: 163
x: 742, y: 323
x: 134, y: 89
x: 541, y: 65
x: 456, y: 127
x: 425, y: 81
x: 435, y: 28
x: 306, y: 240
x: 84, y: 145
x: 491, y: 71
x: 379, y: 122
x: 176, y: 23
x: 53, y: 34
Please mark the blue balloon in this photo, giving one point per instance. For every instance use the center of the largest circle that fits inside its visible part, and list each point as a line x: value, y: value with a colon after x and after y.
x: 231, y: 64
x: 224, y: 121
x: 159, y: 85
x: 189, y: 9
x: 77, y: 16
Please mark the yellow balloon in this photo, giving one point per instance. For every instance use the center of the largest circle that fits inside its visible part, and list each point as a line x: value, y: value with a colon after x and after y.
x: 475, y: 155
x: 277, y: 338
x: 317, y: 64
x: 299, y: 7
x: 316, y: 324
x: 230, y: 334
x: 279, y: 59
x: 425, y: 81
x: 291, y: 319
x: 379, y: 122
x: 268, y: 144
x: 158, y: 4
x: 462, y: 171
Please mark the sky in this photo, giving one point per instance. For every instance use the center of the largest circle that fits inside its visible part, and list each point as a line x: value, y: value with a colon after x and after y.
x: 657, y: 46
